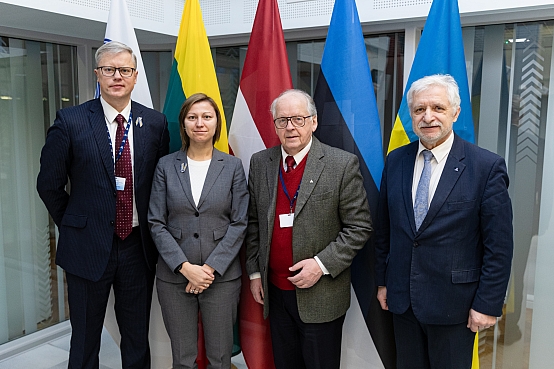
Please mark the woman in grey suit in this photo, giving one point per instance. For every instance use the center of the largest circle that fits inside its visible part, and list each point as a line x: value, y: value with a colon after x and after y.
x: 197, y: 218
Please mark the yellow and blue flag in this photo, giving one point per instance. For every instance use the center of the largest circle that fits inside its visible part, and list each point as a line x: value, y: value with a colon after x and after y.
x: 192, y: 72
x: 440, y: 51
x: 348, y: 119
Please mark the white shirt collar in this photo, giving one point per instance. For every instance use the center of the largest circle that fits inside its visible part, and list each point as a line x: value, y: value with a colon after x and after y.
x: 298, y: 157
x: 110, y: 112
x: 440, y: 152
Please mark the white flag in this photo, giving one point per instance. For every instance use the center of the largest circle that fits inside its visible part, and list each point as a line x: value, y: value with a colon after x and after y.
x: 120, y: 28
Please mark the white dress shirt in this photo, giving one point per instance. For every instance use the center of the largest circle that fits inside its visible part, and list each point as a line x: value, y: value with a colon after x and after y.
x: 440, y: 154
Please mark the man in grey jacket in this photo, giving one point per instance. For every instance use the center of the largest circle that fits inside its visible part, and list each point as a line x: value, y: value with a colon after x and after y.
x: 308, y: 217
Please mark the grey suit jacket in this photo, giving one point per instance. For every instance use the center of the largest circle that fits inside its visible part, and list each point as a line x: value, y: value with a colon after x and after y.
x: 331, y: 220
x: 211, y: 233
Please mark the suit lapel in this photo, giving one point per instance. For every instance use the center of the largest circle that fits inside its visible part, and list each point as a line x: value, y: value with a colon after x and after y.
x: 98, y: 125
x: 272, y: 176
x: 181, y: 167
x: 407, y: 179
x: 314, y: 167
x: 138, y: 143
x: 216, y: 166
x: 451, y: 173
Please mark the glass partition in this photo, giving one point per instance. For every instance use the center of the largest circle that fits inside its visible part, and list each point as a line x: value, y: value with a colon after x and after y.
x: 511, y: 85
x: 36, y: 79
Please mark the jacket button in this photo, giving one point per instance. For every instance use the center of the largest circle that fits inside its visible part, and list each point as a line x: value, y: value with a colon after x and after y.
x: 196, y: 214
x: 112, y: 222
x: 196, y: 235
x: 416, y: 244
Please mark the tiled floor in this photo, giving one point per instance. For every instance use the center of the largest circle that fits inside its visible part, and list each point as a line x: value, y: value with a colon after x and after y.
x: 54, y: 354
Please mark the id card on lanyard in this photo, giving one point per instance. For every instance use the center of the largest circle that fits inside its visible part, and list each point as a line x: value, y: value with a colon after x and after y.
x: 287, y: 220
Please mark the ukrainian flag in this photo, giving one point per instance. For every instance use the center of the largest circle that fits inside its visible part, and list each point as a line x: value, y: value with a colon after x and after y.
x: 192, y: 72
x: 440, y: 50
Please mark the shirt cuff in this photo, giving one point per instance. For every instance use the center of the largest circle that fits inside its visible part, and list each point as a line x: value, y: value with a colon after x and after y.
x: 323, y: 269
x: 255, y: 275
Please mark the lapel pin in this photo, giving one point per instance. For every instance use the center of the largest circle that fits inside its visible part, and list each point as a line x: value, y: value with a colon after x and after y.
x: 456, y: 169
x: 184, y: 167
x: 138, y: 122
x: 311, y: 181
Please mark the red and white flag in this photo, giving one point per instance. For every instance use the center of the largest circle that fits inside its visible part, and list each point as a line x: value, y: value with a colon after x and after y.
x: 265, y: 75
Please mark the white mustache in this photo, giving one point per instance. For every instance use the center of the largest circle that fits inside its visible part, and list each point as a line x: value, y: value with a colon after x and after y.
x: 425, y: 125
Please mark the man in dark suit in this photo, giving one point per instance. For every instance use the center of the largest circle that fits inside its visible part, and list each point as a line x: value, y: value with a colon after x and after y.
x: 308, y: 217
x: 444, y: 240
x: 107, y: 149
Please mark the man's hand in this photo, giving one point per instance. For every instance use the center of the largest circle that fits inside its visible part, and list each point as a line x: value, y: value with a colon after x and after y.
x: 257, y: 290
x: 478, y: 321
x: 382, y: 297
x: 309, y: 274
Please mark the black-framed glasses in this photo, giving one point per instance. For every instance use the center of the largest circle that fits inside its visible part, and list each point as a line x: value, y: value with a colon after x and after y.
x: 282, y: 122
x: 123, y: 71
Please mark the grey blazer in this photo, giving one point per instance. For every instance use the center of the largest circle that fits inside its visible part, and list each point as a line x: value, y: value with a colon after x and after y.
x: 211, y: 233
x: 331, y: 220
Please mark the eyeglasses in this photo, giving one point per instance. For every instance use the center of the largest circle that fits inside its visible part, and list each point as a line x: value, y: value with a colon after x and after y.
x: 123, y: 71
x: 281, y: 123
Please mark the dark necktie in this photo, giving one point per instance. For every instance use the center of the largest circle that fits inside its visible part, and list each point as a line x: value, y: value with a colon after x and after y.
x: 123, y: 169
x: 421, y: 203
x: 289, y: 160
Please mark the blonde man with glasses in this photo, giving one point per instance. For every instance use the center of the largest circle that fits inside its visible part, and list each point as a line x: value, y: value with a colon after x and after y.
x: 107, y: 150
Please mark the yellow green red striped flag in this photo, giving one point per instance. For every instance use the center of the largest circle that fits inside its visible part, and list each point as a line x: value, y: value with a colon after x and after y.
x: 192, y: 71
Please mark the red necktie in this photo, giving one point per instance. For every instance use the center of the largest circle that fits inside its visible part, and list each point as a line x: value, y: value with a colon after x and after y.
x: 289, y: 160
x: 124, y: 169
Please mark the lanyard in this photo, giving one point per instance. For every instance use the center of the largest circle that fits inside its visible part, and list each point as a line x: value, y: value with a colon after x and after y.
x: 293, y: 200
x: 123, y: 140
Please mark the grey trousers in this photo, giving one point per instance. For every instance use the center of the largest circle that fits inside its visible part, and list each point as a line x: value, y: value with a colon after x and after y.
x: 218, y: 305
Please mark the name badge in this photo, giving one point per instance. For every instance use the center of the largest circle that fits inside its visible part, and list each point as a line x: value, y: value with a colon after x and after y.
x: 120, y: 183
x: 286, y: 220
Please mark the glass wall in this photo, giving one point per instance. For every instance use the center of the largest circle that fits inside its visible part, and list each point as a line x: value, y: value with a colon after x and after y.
x: 36, y: 79
x: 511, y: 69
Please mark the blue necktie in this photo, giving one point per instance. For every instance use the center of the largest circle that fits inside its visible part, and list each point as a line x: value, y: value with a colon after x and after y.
x: 421, y: 203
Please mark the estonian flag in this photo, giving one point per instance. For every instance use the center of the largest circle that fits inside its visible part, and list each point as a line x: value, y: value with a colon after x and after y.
x: 348, y: 119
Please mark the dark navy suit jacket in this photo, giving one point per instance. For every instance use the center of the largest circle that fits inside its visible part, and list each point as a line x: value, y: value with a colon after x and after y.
x: 460, y: 258
x: 77, y: 149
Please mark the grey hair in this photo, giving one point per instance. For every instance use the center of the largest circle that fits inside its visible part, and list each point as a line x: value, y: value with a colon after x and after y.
x: 310, y: 105
x: 443, y: 80
x: 113, y: 48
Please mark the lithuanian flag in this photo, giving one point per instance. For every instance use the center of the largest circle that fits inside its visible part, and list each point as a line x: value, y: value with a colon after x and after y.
x: 192, y: 72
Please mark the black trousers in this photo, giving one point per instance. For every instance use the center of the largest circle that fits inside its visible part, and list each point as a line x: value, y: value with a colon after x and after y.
x: 299, y: 345
x: 132, y: 281
x: 431, y: 346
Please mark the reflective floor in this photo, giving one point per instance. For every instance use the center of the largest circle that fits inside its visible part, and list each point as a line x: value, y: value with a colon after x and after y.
x: 54, y: 355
